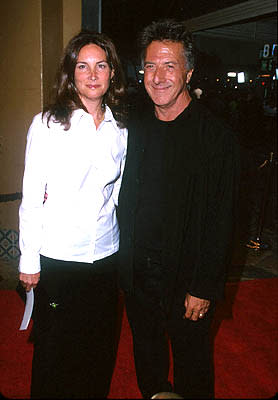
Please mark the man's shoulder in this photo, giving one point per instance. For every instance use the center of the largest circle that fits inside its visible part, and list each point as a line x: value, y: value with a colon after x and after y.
x: 203, y: 113
x: 210, y: 120
x: 213, y: 132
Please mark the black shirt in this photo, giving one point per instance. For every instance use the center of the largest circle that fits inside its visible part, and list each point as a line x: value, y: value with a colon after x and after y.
x: 151, y: 204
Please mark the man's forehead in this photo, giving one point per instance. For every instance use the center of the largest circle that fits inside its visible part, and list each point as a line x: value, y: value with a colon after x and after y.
x: 164, y: 50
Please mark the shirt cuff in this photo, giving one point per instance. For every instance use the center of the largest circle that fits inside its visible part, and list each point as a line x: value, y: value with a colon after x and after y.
x: 29, y: 263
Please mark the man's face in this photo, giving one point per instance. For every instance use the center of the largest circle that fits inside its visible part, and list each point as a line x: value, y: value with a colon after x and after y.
x: 166, y: 75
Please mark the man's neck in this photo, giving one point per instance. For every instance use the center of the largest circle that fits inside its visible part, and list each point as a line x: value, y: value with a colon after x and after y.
x: 171, y: 112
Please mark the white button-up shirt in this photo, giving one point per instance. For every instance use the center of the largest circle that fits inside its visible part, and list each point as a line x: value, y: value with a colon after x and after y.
x: 81, y: 171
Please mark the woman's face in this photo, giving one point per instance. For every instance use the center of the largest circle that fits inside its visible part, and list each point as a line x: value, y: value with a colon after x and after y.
x: 92, y: 74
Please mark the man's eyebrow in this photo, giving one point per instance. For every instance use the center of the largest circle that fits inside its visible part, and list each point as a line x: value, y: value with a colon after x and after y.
x: 165, y: 62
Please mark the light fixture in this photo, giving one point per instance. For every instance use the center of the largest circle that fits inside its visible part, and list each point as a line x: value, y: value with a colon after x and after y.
x: 241, y: 77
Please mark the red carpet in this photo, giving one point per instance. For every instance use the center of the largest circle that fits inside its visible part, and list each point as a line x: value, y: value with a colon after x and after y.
x: 245, y: 346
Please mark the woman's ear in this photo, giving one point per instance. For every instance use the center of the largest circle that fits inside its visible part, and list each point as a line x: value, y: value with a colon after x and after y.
x: 188, y: 76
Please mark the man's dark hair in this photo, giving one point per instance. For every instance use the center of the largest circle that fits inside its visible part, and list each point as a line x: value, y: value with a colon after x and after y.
x: 168, y: 30
x: 66, y: 98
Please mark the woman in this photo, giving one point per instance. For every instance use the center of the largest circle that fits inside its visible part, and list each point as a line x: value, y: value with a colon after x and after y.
x: 68, y: 229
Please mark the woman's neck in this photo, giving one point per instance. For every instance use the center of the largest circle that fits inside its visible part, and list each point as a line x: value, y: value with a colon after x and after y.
x: 98, y: 116
x: 97, y: 111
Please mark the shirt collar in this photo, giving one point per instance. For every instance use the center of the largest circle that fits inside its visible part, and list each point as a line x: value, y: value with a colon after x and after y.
x: 80, y: 113
x: 108, y: 116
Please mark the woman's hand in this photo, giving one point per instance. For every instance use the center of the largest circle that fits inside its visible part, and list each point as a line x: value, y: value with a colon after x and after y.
x: 29, y: 281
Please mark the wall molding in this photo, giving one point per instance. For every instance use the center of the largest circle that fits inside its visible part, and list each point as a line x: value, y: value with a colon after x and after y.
x: 4, y: 198
x: 240, y: 12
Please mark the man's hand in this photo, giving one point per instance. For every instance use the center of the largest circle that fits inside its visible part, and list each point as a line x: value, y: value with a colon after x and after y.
x: 29, y: 281
x: 195, y: 308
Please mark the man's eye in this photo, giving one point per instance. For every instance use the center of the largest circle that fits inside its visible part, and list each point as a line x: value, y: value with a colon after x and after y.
x: 149, y: 66
x: 170, y: 66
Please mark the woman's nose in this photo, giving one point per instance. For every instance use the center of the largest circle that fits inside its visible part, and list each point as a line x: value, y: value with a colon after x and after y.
x: 93, y: 74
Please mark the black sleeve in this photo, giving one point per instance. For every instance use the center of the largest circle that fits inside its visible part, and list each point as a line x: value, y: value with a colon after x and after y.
x: 218, y: 216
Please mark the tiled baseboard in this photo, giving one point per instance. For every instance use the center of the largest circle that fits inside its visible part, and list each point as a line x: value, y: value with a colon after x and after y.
x: 9, y: 247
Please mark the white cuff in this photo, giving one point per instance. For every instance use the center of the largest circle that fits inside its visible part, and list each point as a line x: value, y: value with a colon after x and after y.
x: 29, y: 263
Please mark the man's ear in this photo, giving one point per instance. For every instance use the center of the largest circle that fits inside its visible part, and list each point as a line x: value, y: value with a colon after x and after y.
x: 188, y: 75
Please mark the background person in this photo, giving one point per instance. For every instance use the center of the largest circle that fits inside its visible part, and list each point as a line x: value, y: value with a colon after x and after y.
x: 176, y: 218
x: 69, y: 239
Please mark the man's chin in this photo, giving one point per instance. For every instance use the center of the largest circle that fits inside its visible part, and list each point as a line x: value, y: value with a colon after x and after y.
x: 159, y: 102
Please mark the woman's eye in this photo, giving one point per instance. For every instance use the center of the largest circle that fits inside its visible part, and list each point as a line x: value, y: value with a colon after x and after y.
x: 81, y: 66
x: 102, y: 66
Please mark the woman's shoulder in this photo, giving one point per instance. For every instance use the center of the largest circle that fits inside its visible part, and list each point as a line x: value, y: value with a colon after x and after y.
x: 37, y: 118
x: 42, y: 119
x: 43, y: 124
x: 37, y: 125
x: 117, y: 125
x: 48, y: 121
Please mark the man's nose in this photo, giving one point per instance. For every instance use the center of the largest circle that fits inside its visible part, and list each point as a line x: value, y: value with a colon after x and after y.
x: 159, y: 75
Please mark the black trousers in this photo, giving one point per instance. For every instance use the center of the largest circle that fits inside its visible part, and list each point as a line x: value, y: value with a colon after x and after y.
x: 75, y: 322
x: 151, y: 328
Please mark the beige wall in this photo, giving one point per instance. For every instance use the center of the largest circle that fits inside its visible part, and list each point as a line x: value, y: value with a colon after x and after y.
x: 61, y: 19
x: 32, y: 36
x: 51, y: 43
x: 20, y: 98
x: 71, y: 19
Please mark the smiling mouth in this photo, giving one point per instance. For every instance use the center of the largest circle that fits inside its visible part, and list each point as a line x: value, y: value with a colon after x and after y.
x: 93, y: 86
x: 160, y: 87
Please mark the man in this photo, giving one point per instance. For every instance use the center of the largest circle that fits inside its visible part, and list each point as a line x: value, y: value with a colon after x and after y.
x: 176, y: 215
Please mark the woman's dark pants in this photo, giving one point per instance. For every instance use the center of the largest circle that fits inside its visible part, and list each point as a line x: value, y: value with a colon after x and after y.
x: 75, y: 321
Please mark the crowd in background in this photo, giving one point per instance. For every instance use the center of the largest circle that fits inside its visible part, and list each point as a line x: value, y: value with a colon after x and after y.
x: 254, y: 120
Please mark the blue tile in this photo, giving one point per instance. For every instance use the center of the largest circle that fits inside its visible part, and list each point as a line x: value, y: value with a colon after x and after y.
x: 9, y: 247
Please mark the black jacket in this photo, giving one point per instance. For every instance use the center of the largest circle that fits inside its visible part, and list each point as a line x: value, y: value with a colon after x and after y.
x: 201, y: 170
